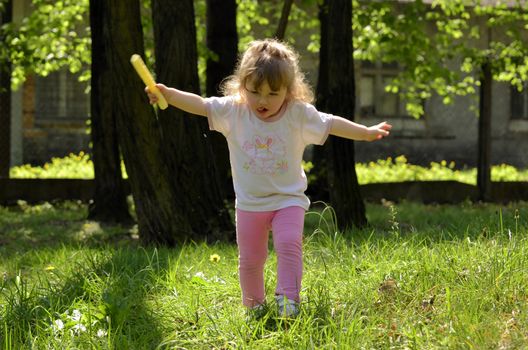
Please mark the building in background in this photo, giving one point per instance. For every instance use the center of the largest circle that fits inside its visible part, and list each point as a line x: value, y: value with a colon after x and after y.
x: 50, y: 118
x: 445, y: 132
x: 49, y: 115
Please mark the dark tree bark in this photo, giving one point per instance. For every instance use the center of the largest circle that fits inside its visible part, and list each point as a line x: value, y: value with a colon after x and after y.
x: 283, y: 22
x: 5, y: 98
x: 187, y: 150
x: 139, y: 135
x: 222, y: 40
x: 109, y: 201
x: 336, y: 94
x: 484, y: 134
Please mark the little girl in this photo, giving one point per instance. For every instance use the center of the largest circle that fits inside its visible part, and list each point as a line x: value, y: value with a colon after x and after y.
x: 267, y: 119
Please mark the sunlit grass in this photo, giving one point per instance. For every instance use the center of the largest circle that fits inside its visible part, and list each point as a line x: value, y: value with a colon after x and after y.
x: 383, y: 170
x: 398, y: 169
x: 73, y: 166
x: 420, y: 277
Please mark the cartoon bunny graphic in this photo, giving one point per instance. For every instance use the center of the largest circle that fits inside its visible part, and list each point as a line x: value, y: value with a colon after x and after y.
x: 266, y: 155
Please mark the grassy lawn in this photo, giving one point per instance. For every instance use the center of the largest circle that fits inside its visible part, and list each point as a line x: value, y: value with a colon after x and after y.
x: 421, y: 277
x: 79, y: 166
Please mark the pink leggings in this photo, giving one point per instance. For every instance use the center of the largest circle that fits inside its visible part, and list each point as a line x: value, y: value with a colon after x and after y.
x: 252, y: 237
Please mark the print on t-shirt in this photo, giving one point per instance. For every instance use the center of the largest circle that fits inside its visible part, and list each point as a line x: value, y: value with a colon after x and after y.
x: 267, y: 155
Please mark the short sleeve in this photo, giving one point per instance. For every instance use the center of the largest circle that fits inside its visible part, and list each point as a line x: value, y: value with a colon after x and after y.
x: 220, y: 112
x: 315, y: 126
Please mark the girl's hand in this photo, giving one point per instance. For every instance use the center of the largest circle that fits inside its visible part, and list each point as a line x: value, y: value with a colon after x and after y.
x: 379, y: 131
x: 186, y: 101
x: 153, y: 99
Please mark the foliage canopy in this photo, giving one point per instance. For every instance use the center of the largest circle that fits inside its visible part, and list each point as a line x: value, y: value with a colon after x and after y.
x: 439, y: 44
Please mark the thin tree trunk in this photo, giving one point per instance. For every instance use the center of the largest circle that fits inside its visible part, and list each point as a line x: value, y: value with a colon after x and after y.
x: 5, y: 100
x: 484, y: 139
x: 186, y: 149
x: 336, y: 94
x: 222, y: 40
x: 283, y: 22
x: 109, y: 202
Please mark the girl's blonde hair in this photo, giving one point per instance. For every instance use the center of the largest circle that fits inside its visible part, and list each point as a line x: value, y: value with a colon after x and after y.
x: 273, y: 62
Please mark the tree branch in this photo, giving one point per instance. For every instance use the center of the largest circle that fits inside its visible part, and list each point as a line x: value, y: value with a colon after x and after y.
x: 283, y: 22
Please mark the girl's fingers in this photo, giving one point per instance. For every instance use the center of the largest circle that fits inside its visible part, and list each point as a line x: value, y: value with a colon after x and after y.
x: 385, y: 126
x: 152, y: 98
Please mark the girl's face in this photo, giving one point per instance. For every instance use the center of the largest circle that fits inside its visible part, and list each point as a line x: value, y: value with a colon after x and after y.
x: 265, y: 102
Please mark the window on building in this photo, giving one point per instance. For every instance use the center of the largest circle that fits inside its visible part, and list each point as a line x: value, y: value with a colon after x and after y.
x: 60, y: 96
x: 519, y: 103
x: 374, y: 101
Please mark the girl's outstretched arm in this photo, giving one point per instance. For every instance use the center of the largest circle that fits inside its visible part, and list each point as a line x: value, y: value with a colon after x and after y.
x: 345, y: 128
x: 183, y: 100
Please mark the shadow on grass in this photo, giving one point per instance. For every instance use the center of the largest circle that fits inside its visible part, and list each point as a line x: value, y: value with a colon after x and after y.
x: 127, y: 278
x: 107, y: 283
x: 428, y: 223
x: 103, y: 300
x: 45, y: 226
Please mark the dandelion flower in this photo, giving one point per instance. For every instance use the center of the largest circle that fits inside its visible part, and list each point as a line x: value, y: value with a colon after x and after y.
x: 49, y: 268
x: 214, y: 258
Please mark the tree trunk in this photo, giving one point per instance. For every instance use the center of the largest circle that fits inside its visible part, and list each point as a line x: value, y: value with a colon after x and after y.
x: 109, y: 201
x: 484, y: 135
x: 5, y: 99
x: 222, y: 40
x: 187, y: 150
x: 336, y: 94
x: 283, y: 22
x: 138, y: 131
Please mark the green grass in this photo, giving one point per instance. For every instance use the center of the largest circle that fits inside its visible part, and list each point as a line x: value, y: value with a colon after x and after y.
x: 421, y: 277
x: 73, y: 166
x: 398, y: 169
x: 383, y: 170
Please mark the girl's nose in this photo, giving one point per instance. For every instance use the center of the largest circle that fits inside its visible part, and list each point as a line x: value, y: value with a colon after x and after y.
x: 263, y: 99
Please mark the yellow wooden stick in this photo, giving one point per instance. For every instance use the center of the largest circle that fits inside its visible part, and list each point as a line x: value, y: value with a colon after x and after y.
x: 147, y: 78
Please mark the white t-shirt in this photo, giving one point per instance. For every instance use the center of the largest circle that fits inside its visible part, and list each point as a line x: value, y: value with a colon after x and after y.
x: 266, y: 157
